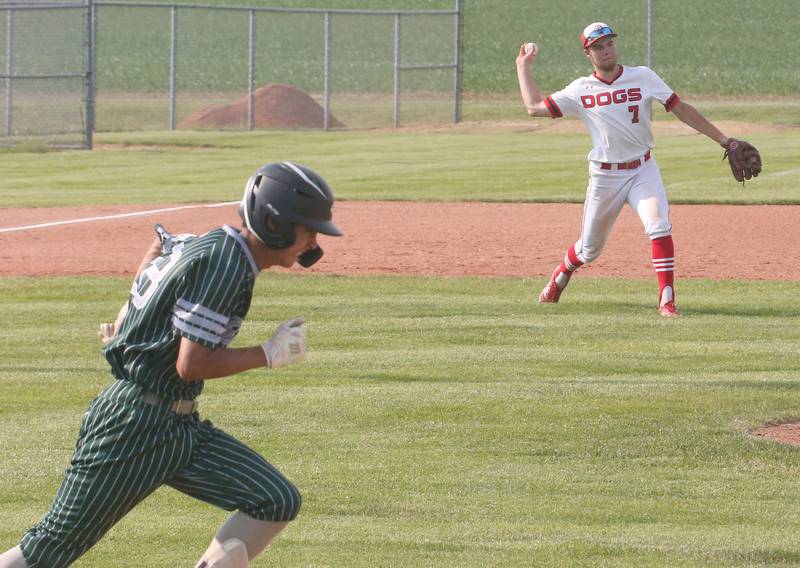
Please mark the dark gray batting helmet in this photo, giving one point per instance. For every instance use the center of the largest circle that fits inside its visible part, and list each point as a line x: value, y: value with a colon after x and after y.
x: 280, y: 195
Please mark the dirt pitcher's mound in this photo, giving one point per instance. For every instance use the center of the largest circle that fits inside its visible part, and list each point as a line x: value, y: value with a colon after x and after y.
x: 274, y: 106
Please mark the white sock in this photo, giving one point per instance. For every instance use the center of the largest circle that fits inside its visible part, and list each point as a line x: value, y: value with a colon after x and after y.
x: 562, y: 279
x: 13, y: 558
x: 255, y: 534
x: 667, y: 295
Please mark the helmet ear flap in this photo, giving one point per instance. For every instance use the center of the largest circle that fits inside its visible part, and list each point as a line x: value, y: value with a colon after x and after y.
x: 279, y: 233
x: 262, y: 219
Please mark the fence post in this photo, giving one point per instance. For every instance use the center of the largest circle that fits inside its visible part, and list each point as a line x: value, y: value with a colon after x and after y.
x: 250, y: 68
x: 9, y: 67
x: 90, y: 87
x: 173, y: 30
x: 457, y: 82
x: 650, y: 33
x: 327, y: 77
x: 396, y: 70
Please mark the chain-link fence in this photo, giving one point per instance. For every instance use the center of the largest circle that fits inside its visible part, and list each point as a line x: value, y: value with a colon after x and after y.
x: 191, y: 66
x: 356, y: 63
x: 44, y: 74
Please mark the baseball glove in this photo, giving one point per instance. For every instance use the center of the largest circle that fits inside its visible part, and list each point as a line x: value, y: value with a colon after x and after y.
x: 744, y: 159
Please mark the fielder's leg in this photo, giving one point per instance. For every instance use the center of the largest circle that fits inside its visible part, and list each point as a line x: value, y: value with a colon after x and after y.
x: 649, y: 198
x: 13, y: 558
x: 664, y: 265
x: 561, y: 275
x: 605, y: 197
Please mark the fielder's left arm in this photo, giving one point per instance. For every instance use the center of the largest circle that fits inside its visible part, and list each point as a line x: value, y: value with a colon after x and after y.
x: 743, y: 158
x: 690, y: 116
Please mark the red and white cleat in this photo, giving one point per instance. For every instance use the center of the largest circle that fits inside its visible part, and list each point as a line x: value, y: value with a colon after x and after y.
x: 551, y: 293
x: 669, y: 310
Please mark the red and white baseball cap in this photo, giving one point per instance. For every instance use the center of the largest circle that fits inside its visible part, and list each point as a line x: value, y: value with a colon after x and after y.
x: 596, y: 31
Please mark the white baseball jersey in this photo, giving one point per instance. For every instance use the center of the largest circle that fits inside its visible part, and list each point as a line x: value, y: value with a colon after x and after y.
x: 617, y: 113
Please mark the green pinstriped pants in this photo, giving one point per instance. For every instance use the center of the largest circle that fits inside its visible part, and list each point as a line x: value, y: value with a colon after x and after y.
x: 126, y: 449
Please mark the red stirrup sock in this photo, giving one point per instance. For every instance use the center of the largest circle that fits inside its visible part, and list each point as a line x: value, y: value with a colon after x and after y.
x: 664, y: 263
x: 569, y: 265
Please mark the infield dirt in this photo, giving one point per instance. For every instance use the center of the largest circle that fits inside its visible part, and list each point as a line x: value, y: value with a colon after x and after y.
x: 436, y: 239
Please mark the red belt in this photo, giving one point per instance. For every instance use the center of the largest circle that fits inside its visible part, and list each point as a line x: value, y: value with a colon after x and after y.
x: 625, y: 165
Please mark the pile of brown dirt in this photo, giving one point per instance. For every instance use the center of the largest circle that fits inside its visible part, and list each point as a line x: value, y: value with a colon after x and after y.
x: 274, y: 106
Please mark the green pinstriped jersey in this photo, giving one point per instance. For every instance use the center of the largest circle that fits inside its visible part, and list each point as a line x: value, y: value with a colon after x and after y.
x: 202, y: 291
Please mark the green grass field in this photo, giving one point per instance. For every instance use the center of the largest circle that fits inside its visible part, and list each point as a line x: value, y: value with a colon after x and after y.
x: 453, y: 422
x: 498, y: 164
x: 440, y: 422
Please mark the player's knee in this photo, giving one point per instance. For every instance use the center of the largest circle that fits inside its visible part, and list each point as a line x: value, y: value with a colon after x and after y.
x: 293, y: 501
x: 281, y: 504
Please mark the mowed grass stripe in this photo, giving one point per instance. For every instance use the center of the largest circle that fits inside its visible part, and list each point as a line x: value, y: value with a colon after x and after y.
x: 442, y: 422
x: 491, y: 165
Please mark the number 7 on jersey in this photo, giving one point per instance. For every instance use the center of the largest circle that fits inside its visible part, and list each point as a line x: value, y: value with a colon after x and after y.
x: 634, y: 110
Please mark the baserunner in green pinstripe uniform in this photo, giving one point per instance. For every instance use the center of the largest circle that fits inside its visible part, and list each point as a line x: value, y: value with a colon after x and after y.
x: 144, y: 430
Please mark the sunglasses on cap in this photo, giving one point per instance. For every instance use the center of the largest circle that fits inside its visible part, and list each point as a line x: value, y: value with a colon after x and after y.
x: 597, y: 34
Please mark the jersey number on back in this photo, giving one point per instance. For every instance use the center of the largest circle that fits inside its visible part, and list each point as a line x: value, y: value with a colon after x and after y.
x: 144, y: 288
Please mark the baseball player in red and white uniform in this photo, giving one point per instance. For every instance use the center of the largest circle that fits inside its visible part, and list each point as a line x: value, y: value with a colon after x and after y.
x: 615, y: 104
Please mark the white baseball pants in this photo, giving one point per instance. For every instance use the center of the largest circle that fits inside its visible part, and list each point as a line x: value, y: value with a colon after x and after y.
x: 608, y: 192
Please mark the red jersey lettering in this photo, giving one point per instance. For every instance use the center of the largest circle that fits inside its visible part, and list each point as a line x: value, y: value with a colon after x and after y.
x: 603, y: 99
x: 617, y: 97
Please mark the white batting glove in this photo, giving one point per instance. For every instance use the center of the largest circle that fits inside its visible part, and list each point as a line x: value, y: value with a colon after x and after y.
x: 287, y: 345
